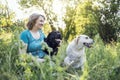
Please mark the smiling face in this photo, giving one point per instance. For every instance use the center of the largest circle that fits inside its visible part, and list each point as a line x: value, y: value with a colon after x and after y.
x: 36, y: 21
x: 39, y: 22
x: 85, y: 41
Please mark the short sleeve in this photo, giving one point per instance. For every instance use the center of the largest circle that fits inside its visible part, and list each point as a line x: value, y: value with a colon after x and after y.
x: 23, y: 37
x: 44, y: 36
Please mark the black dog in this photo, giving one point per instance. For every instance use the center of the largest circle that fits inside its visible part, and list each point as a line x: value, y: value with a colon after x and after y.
x: 53, y: 40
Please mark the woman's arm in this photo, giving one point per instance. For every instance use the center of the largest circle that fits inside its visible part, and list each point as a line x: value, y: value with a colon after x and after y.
x: 22, y: 47
x: 23, y: 42
x: 24, y: 37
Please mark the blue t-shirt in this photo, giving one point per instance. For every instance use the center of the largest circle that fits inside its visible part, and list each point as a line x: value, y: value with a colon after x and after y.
x: 34, y: 45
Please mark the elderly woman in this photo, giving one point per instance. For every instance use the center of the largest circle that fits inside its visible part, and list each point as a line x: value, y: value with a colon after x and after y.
x: 34, y: 36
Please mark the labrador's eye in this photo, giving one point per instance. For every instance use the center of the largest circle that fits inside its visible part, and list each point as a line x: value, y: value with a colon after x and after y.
x: 86, y: 37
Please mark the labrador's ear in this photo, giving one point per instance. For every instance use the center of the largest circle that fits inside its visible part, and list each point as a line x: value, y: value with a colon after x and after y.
x: 77, y: 39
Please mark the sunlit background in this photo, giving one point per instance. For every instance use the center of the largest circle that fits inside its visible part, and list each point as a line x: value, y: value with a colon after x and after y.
x: 58, y: 7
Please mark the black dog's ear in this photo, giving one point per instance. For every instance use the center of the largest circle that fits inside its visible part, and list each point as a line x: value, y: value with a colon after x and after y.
x: 50, y: 36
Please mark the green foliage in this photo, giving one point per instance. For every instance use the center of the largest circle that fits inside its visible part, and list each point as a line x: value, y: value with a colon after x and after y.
x: 70, y: 30
x: 102, y: 63
x: 85, y: 19
x: 47, y: 29
x: 92, y: 17
x: 108, y: 20
x: 102, y: 60
x: 46, y: 47
x: 80, y: 20
x: 6, y: 16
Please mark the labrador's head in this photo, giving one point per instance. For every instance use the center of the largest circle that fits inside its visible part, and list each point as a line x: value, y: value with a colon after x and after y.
x: 84, y: 40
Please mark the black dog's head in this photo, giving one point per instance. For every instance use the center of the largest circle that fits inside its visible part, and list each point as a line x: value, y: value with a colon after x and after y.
x: 54, y: 39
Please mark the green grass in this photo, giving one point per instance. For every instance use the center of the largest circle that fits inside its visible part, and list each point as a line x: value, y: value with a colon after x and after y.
x: 102, y: 60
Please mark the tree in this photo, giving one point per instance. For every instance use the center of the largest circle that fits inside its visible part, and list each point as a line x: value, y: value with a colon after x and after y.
x: 85, y: 19
x: 6, y: 16
x: 45, y: 5
x: 93, y: 17
x: 80, y: 19
x: 108, y: 20
x: 69, y: 31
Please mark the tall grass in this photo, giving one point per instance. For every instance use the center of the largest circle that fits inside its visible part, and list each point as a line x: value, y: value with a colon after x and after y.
x: 102, y: 60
